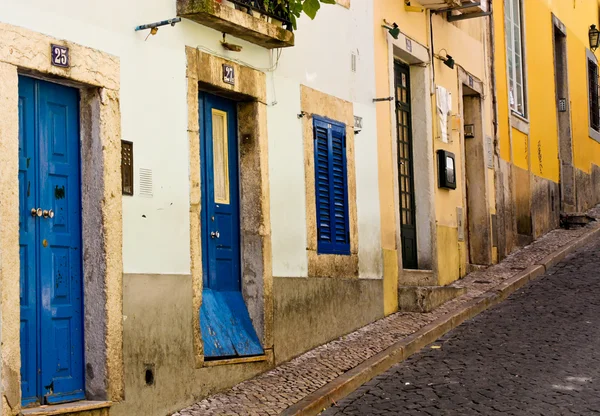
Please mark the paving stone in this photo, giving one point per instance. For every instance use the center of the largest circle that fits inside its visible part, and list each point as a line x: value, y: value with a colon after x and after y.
x: 317, y: 367
x: 531, y: 355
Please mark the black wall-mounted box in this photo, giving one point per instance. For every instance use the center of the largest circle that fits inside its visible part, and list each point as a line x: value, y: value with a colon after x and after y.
x: 446, y: 170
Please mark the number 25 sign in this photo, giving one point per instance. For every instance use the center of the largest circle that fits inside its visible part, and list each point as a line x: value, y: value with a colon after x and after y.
x: 60, y: 56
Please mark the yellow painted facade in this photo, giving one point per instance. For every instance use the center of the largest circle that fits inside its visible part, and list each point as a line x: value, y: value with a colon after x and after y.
x: 548, y: 159
x: 577, y: 16
x: 532, y: 160
x: 447, y: 250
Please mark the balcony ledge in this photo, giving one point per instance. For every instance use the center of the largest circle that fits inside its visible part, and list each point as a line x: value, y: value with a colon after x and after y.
x: 439, y: 4
x: 235, y: 22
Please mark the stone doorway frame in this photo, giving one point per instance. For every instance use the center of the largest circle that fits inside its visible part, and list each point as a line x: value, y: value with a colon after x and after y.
x: 96, y: 75
x: 417, y: 58
x: 204, y: 73
x: 479, y: 243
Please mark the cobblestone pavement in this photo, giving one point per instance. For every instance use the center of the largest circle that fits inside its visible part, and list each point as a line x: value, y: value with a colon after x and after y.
x: 537, y: 353
x: 274, y: 391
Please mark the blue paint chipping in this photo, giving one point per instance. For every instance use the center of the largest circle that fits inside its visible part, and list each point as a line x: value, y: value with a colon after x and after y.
x: 226, y: 326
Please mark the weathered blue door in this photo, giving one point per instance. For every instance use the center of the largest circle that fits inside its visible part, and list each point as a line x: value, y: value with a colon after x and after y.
x: 226, y: 327
x: 50, y: 243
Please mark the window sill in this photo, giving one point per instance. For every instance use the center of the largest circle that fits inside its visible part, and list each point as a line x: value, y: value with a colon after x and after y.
x: 594, y: 135
x: 66, y: 408
x: 519, y: 122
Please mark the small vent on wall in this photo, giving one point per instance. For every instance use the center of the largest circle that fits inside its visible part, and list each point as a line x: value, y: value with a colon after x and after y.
x: 353, y: 58
x: 146, y: 182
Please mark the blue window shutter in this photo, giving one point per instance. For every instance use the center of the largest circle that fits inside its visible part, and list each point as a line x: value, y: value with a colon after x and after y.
x: 331, y: 187
x: 341, y: 223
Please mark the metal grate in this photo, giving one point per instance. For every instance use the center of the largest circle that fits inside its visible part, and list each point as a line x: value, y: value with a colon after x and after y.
x: 353, y: 62
x: 279, y: 11
x: 127, y: 167
x: 146, y: 182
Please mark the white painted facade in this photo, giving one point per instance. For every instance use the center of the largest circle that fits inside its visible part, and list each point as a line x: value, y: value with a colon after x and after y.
x: 154, y: 117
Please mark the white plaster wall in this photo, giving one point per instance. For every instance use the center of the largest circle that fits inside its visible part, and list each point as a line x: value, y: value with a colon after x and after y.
x: 154, y: 117
x: 321, y: 60
x: 153, y: 107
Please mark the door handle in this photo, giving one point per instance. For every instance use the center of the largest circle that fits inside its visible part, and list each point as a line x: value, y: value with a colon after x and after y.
x: 214, y: 234
x: 36, y: 212
x: 48, y: 214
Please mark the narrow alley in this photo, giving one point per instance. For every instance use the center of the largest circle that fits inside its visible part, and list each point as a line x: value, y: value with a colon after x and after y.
x: 534, y: 354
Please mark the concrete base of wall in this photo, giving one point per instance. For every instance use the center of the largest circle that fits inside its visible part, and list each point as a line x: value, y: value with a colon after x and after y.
x: 426, y: 298
x: 545, y: 205
x: 312, y: 311
x: 587, y: 187
x: 158, y: 337
x: 411, y: 277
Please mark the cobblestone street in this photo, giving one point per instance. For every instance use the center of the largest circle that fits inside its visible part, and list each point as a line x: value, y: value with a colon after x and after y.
x: 537, y: 353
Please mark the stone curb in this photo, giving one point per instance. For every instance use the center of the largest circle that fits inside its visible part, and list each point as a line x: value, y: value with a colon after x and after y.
x: 348, y: 382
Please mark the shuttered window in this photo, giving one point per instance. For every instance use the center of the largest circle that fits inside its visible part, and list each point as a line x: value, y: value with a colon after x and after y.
x: 331, y: 187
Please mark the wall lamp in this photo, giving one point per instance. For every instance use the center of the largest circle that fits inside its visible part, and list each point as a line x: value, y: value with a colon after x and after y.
x: 594, y: 35
x: 154, y: 26
x: 392, y: 28
x: 448, y: 60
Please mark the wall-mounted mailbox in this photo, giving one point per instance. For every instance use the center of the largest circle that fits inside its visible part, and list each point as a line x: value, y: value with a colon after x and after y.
x: 446, y: 170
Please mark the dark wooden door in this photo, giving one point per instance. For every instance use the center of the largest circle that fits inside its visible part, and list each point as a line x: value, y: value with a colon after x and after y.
x: 405, y: 167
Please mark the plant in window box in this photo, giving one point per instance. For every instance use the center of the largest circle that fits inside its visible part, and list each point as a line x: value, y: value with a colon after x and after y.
x: 292, y: 9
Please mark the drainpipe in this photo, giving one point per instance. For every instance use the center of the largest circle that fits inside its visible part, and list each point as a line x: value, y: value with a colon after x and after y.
x: 491, y: 50
x: 498, y: 180
x: 431, y: 53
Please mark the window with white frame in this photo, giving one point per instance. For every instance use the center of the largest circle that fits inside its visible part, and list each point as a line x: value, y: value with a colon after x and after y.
x: 593, y: 94
x: 514, y: 51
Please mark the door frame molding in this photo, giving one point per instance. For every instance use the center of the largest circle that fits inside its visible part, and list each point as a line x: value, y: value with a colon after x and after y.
x: 417, y: 58
x: 484, y: 226
x: 204, y: 73
x: 96, y: 75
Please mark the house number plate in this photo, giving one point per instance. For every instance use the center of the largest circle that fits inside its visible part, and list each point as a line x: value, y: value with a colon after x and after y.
x: 228, y: 74
x: 60, y: 56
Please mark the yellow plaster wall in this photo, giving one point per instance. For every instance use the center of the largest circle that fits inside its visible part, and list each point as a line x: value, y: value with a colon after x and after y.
x: 449, y: 254
x: 465, y: 42
x: 459, y: 41
x: 390, y: 284
x: 520, y: 149
x: 539, y: 55
x: 542, y: 148
x: 585, y: 149
x: 501, y: 81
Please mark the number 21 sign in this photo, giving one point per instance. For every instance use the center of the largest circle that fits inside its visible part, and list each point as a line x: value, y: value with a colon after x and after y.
x: 60, y: 56
x: 228, y: 74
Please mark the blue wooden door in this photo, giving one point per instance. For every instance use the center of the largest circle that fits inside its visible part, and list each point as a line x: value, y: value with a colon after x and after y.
x: 50, y: 243
x: 227, y: 330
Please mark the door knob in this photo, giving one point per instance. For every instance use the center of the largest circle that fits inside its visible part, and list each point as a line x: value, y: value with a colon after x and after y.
x: 36, y: 212
x: 48, y: 214
x: 214, y: 234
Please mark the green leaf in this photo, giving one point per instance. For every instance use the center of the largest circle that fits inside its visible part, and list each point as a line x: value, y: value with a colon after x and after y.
x: 328, y: 1
x: 311, y: 7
